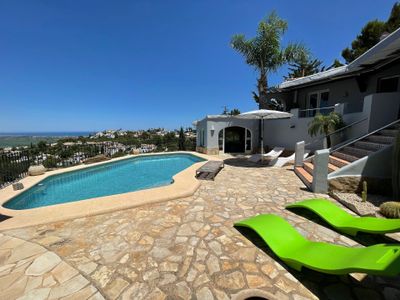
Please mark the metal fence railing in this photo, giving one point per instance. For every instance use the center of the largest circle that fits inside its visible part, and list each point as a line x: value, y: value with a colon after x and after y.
x: 311, y: 112
x: 14, y: 165
x: 343, y: 134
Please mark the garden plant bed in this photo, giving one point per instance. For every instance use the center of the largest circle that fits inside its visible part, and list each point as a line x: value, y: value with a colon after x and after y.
x: 354, y: 202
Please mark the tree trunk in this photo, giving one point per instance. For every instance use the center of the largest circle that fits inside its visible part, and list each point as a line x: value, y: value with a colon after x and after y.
x: 328, y: 141
x: 262, y: 87
x: 328, y: 137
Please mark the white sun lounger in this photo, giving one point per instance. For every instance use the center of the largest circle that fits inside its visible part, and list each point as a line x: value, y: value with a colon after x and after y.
x: 281, y: 161
x: 271, y: 155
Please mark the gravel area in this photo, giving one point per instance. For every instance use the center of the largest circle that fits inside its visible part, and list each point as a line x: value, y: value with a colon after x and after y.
x: 355, y: 203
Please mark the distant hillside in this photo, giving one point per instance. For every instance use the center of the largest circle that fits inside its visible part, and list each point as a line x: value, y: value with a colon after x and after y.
x: 14, y: 141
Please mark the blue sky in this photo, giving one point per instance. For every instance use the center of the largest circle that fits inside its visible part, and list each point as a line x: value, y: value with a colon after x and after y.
x: 92, y: 65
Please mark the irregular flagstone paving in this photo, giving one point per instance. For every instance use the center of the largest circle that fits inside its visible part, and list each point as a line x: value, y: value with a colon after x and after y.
x: 181, y: 249
x: 29, y: 271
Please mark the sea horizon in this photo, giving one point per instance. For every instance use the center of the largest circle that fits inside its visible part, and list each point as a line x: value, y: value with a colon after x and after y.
x: 47, y: 133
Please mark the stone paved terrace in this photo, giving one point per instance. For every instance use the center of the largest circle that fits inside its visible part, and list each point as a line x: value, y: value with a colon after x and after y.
x: 181, y: 249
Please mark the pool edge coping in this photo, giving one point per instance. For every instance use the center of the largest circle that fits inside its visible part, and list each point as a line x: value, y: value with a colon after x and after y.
x: 184, y: 185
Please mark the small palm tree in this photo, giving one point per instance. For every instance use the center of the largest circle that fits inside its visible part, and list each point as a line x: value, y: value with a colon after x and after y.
x: 325, y: 124
x: 265, y: 53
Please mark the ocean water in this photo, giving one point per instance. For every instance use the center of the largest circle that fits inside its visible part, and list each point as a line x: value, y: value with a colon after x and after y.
x: 49, y: 133
x: 118, y: 177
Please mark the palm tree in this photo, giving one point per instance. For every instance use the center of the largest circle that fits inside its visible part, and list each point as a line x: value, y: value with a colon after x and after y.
x: 265, y: 53
x: 325, y: 124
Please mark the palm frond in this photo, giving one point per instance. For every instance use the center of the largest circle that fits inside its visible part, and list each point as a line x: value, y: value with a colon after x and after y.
x: 325, y: 124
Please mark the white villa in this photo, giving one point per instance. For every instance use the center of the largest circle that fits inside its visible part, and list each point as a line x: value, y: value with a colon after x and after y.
x: 366, y: 93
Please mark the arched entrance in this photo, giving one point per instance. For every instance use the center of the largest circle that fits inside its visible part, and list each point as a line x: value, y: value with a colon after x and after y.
x: 234, y: 139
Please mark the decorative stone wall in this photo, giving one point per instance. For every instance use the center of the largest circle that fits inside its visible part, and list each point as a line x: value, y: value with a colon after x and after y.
x: 353, y: 184
x: 213, y: 151
x: 201, y: 149
x: 209, y: 151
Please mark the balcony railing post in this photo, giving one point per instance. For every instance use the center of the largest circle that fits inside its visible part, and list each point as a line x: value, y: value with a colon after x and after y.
x: 299, y: 154
x: 339, y: 108
x: 320, y: 172
x: 295, y: 112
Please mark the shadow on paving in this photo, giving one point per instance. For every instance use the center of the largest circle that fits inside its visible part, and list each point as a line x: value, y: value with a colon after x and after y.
x: 242, y: 162
x: 326, y: 286
x: 362, y: 238
x: 3, y: 218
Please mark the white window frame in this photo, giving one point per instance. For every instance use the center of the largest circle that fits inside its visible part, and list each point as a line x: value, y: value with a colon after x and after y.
x: 319, y: 93
x: 223, y: 140
x: 245, y: 140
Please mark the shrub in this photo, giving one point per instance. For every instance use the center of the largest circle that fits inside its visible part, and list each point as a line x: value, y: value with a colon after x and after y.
x: 95, y: 159
x: 118, y: 154
x: 50, y: 163
x: 390, y: 209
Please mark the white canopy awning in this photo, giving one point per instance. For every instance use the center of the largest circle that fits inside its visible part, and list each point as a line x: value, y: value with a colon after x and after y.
x: 265, y: 114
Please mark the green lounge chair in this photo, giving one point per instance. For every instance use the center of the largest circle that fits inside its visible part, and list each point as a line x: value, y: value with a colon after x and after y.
x: 297, y: 252
x: 345, y: 222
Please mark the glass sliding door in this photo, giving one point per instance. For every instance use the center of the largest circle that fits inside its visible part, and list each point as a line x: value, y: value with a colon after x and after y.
x: 316, y: 102
x: 312, y: 104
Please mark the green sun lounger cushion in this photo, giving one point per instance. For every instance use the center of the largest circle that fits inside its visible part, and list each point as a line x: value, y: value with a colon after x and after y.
x: 345, y: 222
x: 297, y: 252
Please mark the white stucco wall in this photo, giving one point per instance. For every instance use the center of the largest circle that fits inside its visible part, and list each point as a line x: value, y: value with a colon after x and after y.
x: 212, y: 127
x: 383, y: 108
x: 378, y: 110
x: 287, y: 132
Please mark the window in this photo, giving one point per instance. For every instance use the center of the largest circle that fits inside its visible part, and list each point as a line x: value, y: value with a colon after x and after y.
x: 201, y: 137
x: 221, y: 140
x: 317, y: 100
x: 388, y: 84
x: 248, y: 141
x: 312, y: 103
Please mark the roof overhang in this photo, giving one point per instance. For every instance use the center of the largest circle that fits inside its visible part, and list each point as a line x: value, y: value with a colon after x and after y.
x: 325, y: 75
x: 381, y: 54
x: 386, y: 50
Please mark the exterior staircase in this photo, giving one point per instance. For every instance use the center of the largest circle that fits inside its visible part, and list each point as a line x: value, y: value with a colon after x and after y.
x: 350, y: 153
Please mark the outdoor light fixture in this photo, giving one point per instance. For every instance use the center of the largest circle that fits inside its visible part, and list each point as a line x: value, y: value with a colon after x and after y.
x: 212, y: 129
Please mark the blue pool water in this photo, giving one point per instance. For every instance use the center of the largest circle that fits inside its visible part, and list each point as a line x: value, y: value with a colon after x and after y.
x: 111, y: 178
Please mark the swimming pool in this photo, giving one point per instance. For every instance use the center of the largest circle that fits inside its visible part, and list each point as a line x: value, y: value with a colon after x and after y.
x: 123, y: 176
